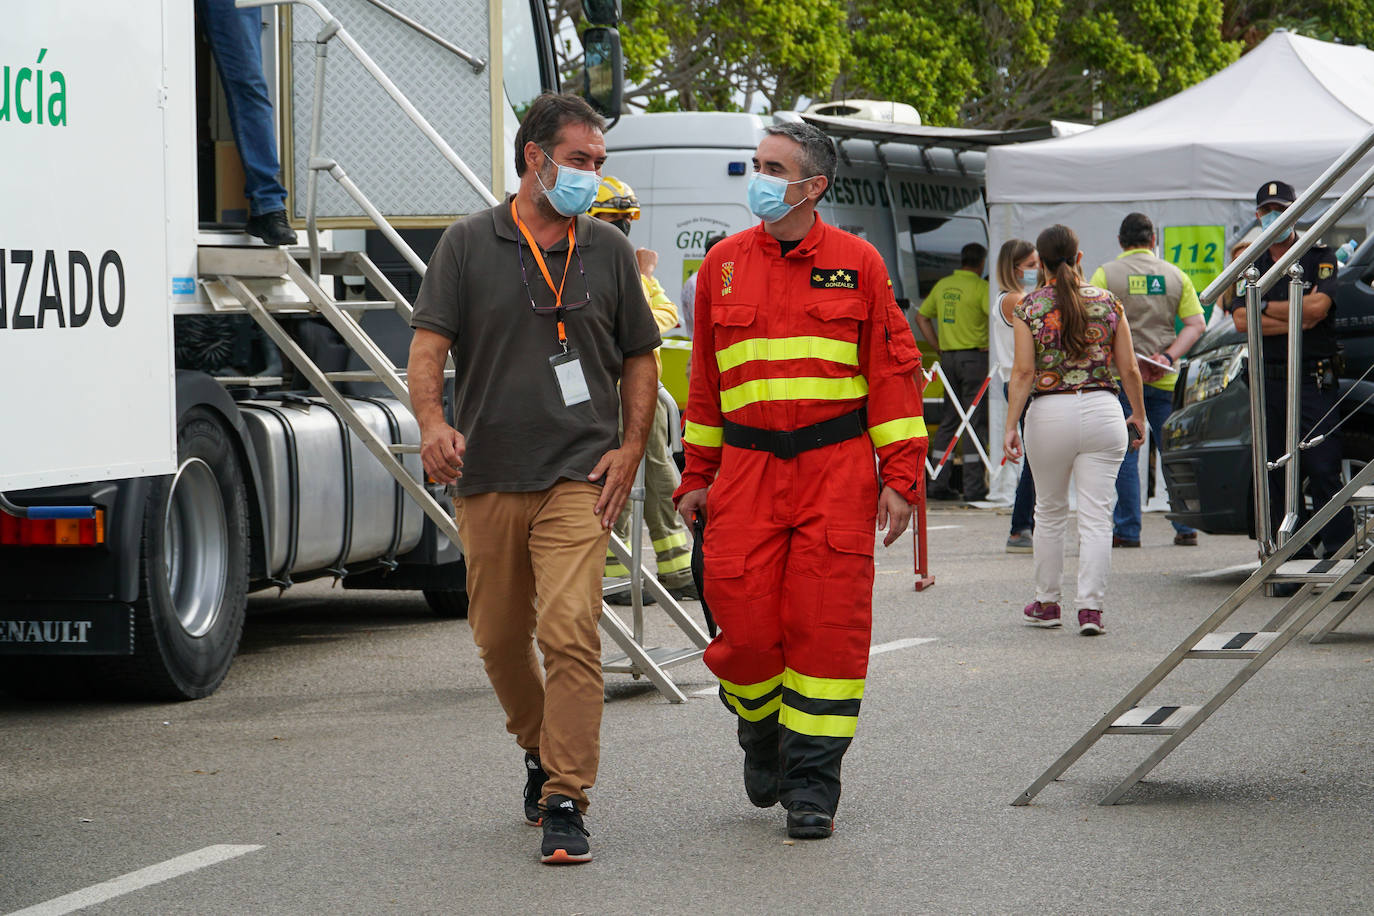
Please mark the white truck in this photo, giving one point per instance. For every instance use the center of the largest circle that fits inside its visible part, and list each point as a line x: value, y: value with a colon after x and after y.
x: 915, y: 192
x: 174, y: 427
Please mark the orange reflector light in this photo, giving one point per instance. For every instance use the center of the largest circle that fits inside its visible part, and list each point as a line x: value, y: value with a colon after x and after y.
x: 47, y: 532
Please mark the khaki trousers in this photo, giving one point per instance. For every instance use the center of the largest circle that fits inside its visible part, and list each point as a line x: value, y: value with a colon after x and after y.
x: 534, y: 573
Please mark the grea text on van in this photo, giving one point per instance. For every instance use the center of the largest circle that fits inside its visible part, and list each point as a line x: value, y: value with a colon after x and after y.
x: 28, y: 95
x: 29, y: 301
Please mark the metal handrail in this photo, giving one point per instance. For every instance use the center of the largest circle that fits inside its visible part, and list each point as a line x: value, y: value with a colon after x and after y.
x: 1255, y: 287
x: 477, y: 64
x: 1289, y: 218
x: 334, y: 29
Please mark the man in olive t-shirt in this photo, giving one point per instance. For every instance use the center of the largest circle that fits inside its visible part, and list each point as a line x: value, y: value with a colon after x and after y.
x: 543, y: 312
x: 954, y: 318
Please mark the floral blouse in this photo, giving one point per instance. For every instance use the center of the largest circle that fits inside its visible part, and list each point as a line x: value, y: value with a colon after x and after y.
x: 1054, y: 369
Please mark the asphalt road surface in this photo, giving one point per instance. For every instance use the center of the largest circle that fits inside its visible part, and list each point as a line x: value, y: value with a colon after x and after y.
x: 355, y: 761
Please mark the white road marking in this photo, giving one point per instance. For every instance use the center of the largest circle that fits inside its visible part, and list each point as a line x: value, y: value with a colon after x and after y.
x: 899, y: 644
x: 875, y: 650
x: 135, y: 880
x: 1227, y: 572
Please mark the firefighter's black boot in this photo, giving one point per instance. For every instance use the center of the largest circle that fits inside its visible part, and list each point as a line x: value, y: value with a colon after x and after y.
x: 762, y: 764
x: 806, y: 821
x: 810, y: 786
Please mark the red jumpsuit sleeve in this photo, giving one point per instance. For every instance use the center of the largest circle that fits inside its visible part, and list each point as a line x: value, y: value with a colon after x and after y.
x: 889, y: 360
x: 704, y: 432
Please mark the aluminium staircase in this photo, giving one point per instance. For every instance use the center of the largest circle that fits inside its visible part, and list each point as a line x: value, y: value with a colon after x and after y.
x: 1339, y: 583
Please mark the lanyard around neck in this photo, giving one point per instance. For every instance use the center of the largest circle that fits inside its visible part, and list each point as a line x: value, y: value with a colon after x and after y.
x: 543, y: 268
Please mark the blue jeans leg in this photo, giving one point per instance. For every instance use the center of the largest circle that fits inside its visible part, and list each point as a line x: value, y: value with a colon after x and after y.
x: 1126, y: 517
x: 1023, y: 508
x: 235, y: 39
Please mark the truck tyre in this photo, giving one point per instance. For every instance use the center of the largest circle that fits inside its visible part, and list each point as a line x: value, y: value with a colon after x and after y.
x: 448, y: 603
x: 193, y: 571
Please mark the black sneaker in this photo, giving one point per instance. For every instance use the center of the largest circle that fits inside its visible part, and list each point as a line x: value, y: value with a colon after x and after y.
x: 565, y: 839
x: 535, y: 777
x: 806, y: 821
x: 272, y: 228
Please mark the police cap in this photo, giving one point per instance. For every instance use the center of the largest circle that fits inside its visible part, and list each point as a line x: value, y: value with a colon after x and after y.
x: 1275, y: 192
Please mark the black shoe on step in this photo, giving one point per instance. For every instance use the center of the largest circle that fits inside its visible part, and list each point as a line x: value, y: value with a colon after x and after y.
x: 535, y: 777
x: 565, y: 838
x: 624, y: 599
x: 272, y: 228
x: 806, y: 821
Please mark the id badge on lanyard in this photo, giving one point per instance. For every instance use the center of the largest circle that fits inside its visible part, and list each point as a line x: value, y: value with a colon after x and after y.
x: 567, y: 366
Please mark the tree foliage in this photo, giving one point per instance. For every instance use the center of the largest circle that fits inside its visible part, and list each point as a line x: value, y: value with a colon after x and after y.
x: 975, y: 63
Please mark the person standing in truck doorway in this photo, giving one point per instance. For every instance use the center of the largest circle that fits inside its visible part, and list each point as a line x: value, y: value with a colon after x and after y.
x: 236, y: 42
x: 1319, y: 370
x: 542, y: 309
x: 954, y: 318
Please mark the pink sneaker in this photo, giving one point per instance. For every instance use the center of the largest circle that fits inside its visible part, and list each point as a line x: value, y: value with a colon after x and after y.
x: 1041, y: 615
x: 1089, y: 622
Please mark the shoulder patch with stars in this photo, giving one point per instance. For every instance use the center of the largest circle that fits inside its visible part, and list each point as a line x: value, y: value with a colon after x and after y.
x: 834, y: 278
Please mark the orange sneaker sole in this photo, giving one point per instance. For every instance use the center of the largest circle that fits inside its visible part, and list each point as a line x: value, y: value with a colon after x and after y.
x: 563, y: 857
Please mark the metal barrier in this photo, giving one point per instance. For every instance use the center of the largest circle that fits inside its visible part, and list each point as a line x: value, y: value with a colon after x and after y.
x: 965, y: 422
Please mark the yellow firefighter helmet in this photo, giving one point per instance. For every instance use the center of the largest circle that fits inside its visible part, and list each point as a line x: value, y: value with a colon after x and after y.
x: 616, y: 198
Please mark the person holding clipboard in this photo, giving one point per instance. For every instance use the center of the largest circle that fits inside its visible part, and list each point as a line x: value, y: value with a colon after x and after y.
x: 1154, y: 294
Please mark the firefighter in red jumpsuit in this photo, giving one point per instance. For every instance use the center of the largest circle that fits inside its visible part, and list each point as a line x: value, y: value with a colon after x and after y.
x: 802, y: 367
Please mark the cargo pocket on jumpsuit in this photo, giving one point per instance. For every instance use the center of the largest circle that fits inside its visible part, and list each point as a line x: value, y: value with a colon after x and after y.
x: 727, y: 597
x: 901, y: 344
x: 848, y: 591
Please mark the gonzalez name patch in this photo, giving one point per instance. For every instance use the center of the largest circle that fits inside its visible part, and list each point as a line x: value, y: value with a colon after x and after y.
x: 834, y: 278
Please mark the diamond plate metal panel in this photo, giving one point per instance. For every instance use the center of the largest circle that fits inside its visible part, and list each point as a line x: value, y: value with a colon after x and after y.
x: 391, y: 161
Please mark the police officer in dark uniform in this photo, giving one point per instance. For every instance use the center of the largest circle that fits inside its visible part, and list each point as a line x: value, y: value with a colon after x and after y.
x: 1320, y: 465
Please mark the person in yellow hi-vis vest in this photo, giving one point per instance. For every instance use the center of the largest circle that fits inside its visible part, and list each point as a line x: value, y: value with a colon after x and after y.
x: 616, y: 204
x: 954, y: 318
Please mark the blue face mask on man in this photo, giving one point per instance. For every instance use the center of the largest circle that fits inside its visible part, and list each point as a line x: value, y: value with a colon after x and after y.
x: 766, y: 193
x: 1267, y: 218
x: 573, y: 191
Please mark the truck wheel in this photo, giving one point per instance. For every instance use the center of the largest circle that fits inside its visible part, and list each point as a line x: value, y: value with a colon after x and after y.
x: 449, y: 603
x: 193, y: 569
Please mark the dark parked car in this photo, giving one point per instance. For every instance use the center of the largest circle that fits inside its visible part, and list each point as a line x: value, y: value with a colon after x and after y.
x: 1206, y: 442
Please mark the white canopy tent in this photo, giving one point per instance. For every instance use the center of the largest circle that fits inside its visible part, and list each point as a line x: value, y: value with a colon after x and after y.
x: 1192, y: 162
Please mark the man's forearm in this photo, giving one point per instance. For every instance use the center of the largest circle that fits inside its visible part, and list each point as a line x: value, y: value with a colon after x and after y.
x: 425, y: 380
x: 638, y: 398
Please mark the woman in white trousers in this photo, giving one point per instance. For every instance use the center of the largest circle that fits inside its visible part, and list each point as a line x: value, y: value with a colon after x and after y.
x: 1069, y: 336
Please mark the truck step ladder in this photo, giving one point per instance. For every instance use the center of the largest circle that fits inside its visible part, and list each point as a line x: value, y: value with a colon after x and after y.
x: 1342, y: 582
x: 638, y: 660
x: 247, y: 280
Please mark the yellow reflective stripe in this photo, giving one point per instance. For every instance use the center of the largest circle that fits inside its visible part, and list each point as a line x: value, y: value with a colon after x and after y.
x: 755, y: 715
x: 897, y: 430
x: 676, y: 539
x: 803, y: 723
x: 616, y: 570
x: 752, y: 691
x: 793, y: 389
x: 706, y: 436
x: 771, y: 348
x: 676, y: 563
x: 823, y: 688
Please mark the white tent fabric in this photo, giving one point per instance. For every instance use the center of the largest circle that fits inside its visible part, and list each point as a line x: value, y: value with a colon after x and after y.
x: 1286, y: 110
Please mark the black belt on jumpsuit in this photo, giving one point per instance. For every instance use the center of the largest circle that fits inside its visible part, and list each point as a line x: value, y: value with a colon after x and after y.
x: 789, y: 443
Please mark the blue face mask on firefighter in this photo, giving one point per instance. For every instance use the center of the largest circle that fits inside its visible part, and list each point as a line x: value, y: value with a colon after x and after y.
x: 573, y: 191
x: 766, y: 194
